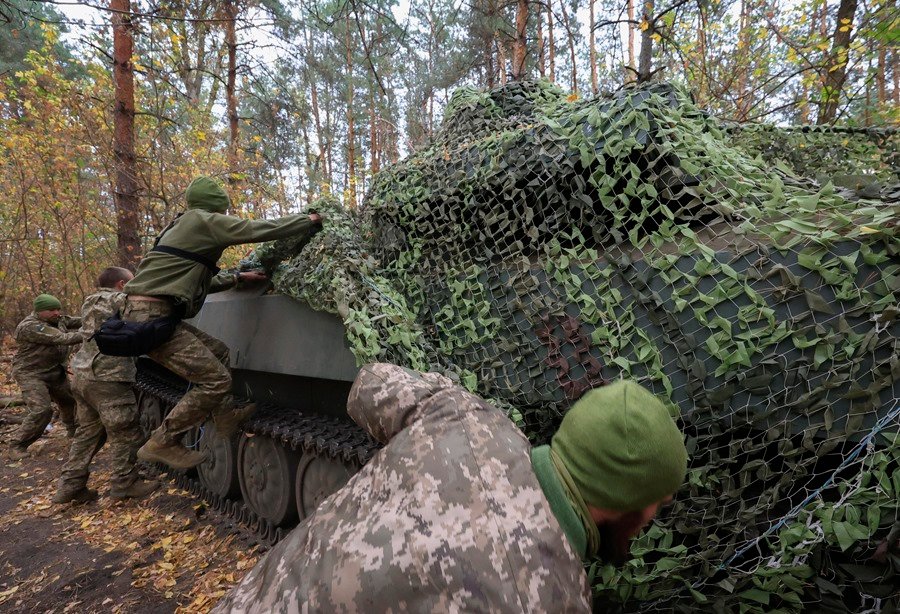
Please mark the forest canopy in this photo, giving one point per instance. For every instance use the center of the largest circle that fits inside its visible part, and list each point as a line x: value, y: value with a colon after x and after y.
x: 107, y: 112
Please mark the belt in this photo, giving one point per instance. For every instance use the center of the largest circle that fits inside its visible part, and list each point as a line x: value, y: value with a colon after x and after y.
x: 140, y: 298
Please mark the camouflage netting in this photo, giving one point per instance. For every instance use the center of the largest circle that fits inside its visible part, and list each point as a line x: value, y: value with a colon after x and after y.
x: 542, y: 246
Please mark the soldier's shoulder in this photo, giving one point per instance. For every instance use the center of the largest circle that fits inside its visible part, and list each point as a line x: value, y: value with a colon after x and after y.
x: 30, y: 322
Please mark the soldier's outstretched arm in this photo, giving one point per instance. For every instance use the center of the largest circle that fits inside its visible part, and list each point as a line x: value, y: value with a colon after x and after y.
x: 48, y: 335
x: 71, y: 322
x: 386, y: 398
x: 230, y: 230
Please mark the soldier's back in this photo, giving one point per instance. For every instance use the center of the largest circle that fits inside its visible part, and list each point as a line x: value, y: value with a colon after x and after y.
x: 449, y: 516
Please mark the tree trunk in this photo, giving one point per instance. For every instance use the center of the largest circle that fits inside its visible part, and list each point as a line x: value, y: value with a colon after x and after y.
x: 896, y: 71
x: 551, y: 48
x: 645, y: 57
x: 519, y: 46
x: 571, y: 37
x: 351, y: 136
x: 702, y: 85
x: 231, y: 12
x: 743, y: 49
x: 629, y: 74
x: 374, y: 164
x: 489, y: 63
x: 125, y: 190
x: 881, y: 74
x: 593, y: 52
x: 501, y: 58
x: 542, y: 50
x: 836, y: 65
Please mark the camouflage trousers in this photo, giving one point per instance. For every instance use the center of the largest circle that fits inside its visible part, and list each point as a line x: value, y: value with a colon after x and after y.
x: 39, y: 390
x: 107, y: 413
x: 197, y: 357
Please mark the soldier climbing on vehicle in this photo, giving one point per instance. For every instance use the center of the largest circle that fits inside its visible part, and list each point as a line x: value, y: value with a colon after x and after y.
x: 458, y: 513
x: 44, y: 340
x: 172, y: 281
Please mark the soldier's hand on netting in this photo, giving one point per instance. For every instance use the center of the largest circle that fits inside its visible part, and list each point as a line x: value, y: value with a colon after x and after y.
x: 251, y: 276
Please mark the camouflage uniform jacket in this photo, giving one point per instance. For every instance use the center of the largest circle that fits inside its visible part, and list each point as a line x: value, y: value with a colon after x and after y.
x: 88, y: 362
x: 43, y: 347
x: 447, y: 517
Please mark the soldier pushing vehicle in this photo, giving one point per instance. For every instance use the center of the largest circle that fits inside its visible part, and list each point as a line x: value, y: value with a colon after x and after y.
x: 44, y: 340
x: 458, y: 513
x: 107, y: 409
x: 172, y: 281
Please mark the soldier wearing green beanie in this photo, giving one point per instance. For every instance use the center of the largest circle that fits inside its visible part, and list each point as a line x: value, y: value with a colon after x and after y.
x: 615, y: 459
x: 173, y: 279
x: 44, y: 339
x: 457, y: 512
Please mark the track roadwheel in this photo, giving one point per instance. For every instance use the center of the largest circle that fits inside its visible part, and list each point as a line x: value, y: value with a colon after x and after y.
x: 267, y: 472
x: 218, y: 473
x: 319, y: 477
x: 151, y: 412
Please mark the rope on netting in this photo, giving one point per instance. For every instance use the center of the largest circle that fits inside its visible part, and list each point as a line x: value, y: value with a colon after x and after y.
x: 374, y: 286
x: 854, y: 454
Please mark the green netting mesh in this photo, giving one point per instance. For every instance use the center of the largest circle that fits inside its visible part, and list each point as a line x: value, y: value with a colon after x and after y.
x: 542, y: 246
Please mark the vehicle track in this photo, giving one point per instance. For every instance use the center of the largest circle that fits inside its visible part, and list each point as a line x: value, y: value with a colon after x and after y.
x: 294, y: 430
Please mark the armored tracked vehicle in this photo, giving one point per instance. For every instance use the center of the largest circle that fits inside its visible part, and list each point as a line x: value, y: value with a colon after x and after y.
x: 542, y: 246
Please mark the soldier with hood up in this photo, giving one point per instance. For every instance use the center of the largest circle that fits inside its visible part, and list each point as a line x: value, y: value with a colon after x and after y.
x: 174, y: 279
x: 457, y: 513
x: 44, y: 338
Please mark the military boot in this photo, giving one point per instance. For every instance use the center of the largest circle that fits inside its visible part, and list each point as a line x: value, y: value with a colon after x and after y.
x: 171, y: 453
x: 70, y: 430
x: 227, y: 423
x: 17, y: 451
x: 78, y: 495
x: 137, y: 490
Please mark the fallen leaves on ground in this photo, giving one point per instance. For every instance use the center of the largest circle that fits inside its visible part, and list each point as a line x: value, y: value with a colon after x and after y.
x: 166, y: 548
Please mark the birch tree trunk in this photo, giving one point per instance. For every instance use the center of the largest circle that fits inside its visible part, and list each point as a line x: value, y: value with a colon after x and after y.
x: 571, y: 37
x: 593, y: 51
x: 630, y: 74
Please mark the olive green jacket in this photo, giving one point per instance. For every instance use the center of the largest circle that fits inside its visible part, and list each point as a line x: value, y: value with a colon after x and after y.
x: 207, y: 234
x: 44, y: 347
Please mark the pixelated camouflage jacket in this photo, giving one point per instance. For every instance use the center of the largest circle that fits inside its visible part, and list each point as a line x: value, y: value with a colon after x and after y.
x: 447, y: 517
x: 43, y: 346
x: 88, y: 362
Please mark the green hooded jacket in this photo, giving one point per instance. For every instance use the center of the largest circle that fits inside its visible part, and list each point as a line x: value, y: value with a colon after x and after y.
x: 204, y: 230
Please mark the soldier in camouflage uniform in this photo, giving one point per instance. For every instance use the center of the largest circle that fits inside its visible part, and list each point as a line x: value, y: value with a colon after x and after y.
x: 44, y: 339
x: 457, y: 513
x: 174, y: 278
x: 107, y: 410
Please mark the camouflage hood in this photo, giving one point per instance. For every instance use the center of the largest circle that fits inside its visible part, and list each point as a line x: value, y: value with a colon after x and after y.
x: 206, y: 193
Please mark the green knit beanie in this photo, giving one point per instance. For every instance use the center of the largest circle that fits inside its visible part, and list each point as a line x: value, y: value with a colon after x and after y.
x: 45, y: 302
x: 206, y: 193
x: 621, y: 447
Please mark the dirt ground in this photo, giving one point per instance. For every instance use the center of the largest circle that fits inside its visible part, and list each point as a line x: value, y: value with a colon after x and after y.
x: 163, y: 554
